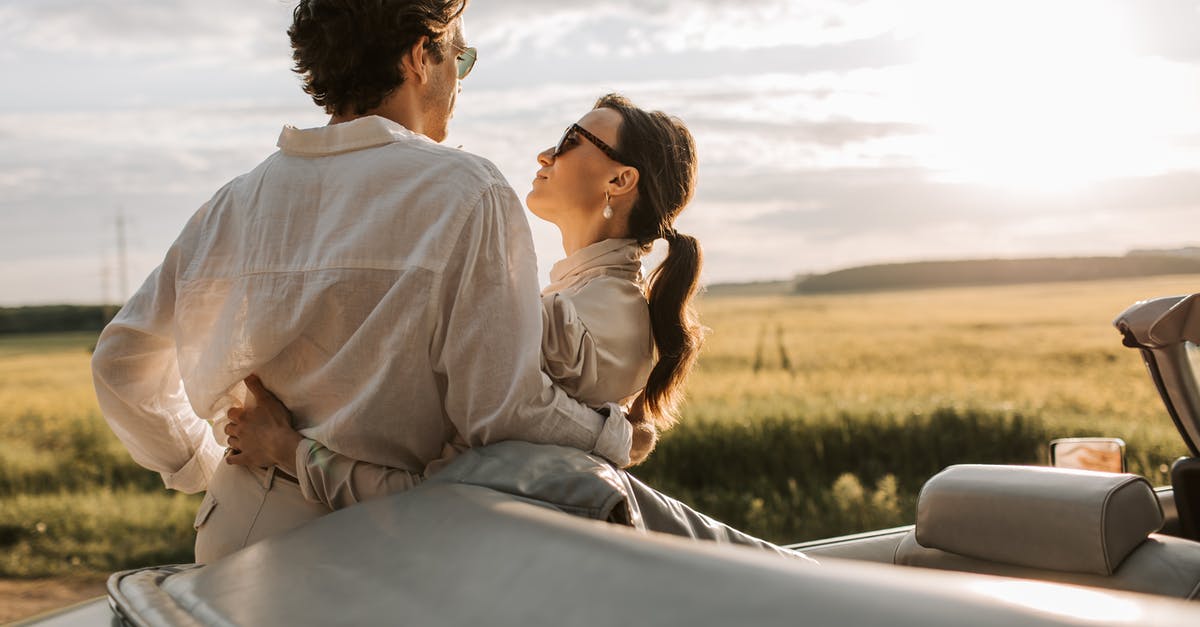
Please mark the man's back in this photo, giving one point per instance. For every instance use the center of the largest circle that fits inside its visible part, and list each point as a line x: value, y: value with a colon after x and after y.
x: 382, y: 285
x: 319, y: 271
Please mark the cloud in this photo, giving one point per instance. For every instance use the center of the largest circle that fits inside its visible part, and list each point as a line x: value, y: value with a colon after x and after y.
x: 675, y: 26
x: 218, y: 32
x: 835, y: 133
x: 821, y: 220
x: 123, y: 153
x: 66, y: 176
x: 78, y: 277
x: 1166, y: 28
x: 839, y: 202
x: 743, y: 125
x: 172, y: 32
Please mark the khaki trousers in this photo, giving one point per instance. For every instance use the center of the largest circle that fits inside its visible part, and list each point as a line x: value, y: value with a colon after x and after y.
x: 244, y: 505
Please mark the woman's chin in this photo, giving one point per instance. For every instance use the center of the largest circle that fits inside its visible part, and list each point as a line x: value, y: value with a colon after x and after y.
x: 535, y: 206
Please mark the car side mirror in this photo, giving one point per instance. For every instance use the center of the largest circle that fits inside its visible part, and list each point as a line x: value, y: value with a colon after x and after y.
x: 1102, y: 454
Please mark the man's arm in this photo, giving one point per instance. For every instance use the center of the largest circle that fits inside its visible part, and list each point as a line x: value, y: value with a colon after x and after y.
x: 141, y: 395
x: 262, y: 435
x: 487, y: 349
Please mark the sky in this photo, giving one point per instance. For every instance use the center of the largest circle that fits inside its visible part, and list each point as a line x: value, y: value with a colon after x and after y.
x: 831, y: 133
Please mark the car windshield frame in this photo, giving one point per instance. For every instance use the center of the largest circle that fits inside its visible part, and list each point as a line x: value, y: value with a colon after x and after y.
x: 1167, y: 333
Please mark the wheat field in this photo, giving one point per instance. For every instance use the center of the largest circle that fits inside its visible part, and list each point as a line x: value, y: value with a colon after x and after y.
x: 807, y: 416
x: 1045, y: 349
x: 810, y: 416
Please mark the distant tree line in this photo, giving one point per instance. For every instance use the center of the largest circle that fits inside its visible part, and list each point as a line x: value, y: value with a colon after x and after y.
x: 980, y: 272
x: 55, y: 318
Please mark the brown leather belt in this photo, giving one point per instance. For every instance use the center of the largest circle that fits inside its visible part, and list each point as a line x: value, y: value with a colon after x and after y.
x: 282, y: 474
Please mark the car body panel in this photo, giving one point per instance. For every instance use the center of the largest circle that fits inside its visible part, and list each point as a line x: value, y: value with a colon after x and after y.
x: 94, y: 612
x: 872, y: 546
x: 460, y: 554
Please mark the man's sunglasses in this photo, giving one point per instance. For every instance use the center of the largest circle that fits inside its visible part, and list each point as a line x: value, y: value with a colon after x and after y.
x: 569, y: 140
x: 465, y: 60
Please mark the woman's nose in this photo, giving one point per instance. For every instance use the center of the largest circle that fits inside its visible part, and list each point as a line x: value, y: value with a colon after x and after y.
x: 546, y: 157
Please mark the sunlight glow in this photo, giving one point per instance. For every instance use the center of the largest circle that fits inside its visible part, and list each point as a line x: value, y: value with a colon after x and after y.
x: 1029, y: 94
x: 1060, y: 600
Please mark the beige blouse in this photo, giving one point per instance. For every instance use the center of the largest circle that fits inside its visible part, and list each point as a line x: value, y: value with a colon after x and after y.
x: 596, y: 339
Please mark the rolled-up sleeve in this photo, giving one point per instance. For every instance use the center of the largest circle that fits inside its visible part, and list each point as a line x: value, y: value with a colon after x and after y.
x: 487, y: 349
x: 141, y: 395
x: 568, y: 348
x: 340, y: 481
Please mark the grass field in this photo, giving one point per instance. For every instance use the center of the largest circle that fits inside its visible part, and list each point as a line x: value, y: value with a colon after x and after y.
x: 808, y: 416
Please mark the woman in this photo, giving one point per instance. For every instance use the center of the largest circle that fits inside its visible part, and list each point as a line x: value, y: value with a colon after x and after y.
x: 611, y: 200
x: 613, y: 184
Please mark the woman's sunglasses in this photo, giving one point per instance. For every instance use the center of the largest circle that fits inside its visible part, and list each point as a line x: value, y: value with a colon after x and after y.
x: 465, y: 60
x: 569, y: 140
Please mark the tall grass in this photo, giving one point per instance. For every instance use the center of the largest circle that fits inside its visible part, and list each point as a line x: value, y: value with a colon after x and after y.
x: 98, y: 530
x: 808, y: 416
x: 790, y: 480
x: 71, y: 499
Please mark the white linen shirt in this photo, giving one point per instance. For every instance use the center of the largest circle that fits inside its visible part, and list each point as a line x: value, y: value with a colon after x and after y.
x: 383, y: 286
x: 597, y: 345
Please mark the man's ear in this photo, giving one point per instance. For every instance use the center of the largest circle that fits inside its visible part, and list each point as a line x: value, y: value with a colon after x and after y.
x: 415, y: 62
x: 624, y: 182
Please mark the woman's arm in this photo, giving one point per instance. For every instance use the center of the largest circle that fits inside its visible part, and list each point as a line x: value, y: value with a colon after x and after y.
x: 570, y: 358
x: 569, y: 355
x: 262, y: 435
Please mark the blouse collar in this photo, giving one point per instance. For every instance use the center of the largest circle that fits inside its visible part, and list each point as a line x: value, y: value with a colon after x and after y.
x: 614, y: 257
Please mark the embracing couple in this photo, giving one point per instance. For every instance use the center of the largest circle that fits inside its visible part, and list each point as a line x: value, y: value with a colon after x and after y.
x: 351, y: 315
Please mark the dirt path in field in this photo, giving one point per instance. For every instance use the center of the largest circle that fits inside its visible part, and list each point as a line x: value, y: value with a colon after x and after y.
x: 22, y: 598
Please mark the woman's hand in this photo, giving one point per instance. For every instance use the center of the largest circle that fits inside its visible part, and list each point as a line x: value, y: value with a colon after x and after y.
x: 262, y: 435
x: 645, y: 435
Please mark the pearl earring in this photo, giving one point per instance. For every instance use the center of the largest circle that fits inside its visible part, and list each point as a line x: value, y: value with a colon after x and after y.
x: 608, y: 212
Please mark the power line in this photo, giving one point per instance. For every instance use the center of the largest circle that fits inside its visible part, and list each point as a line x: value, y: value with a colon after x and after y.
x: 122, y: 266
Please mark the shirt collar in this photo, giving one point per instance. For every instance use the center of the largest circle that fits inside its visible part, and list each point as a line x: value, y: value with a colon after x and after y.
x: 621, y: 253
x: 365, y: 132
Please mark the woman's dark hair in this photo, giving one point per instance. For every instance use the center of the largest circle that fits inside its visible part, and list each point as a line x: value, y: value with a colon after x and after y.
x: 349, y: 51
x: 664, y: 153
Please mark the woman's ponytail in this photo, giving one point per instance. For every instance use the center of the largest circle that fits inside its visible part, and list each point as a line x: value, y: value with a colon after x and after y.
x: 664, y: 152
x: 677, y: 332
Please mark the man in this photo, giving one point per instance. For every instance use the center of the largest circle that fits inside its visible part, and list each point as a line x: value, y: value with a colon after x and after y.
x: 382, y: 286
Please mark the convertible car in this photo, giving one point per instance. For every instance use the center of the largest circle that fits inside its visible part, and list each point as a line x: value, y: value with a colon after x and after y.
x: 515, y: 534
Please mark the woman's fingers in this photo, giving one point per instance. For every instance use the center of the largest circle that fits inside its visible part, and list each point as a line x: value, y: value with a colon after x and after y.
x: 260, y: 392
x: 268, y: 407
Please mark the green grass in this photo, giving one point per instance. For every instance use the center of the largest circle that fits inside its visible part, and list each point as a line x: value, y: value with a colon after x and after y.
x: 71, y: 499
x: 98, y: 530
x: 808, y: 416
x: 790, y: 480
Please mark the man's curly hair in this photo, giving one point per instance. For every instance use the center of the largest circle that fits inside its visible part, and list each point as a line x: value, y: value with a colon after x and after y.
x: 349, y: 51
